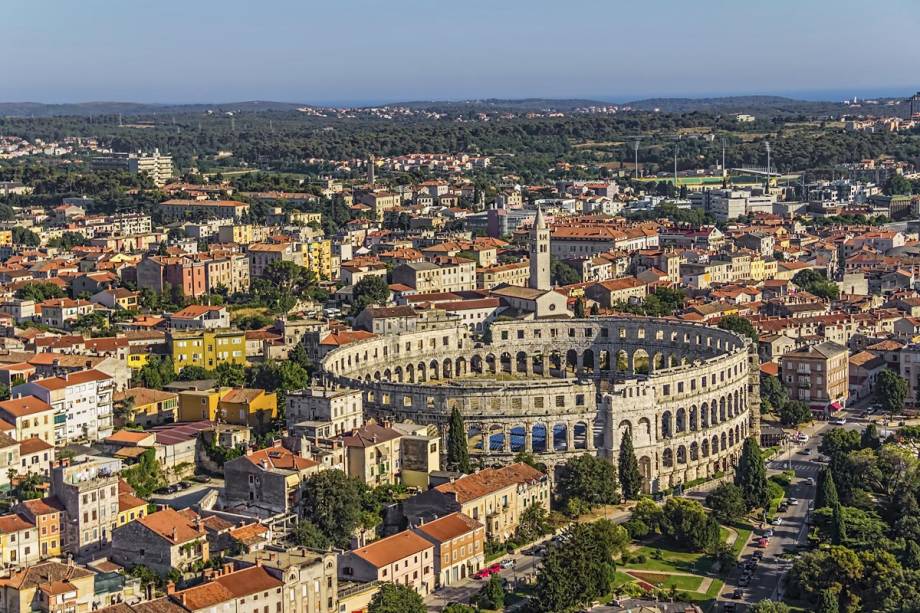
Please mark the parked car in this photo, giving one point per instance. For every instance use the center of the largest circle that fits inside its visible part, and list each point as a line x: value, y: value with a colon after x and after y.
x: 840, y: 422
x: 202, y: 478
x: 484, y: 573
x: 494, y: 568
x: 763, y: 542
x: 759, y: 554
x: 777, y: 521
x: 738, y: 594
x: 793, y: 501
x: 509, y: 563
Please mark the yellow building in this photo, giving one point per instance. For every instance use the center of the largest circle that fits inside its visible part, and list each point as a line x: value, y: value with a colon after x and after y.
x: 241, y: 234
x: 757, y: 269
x: 207, y: 348
x: 138, y: 357
x: 248, y: 407
x: 241, y: 406
x: 148, y: 407
x: 130, y: 507
x: 306, y: 218
x: 317, y: 256
x: 46, y: 514
x: 6, y: 238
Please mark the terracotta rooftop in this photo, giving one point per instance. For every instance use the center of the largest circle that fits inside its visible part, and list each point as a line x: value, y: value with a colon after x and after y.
x: 172, y: 526
x: 33, y: 445
x: 226, y: 587
x: 449, y: 527
x: 392, y: 548
x: 13, y: 523
x: 45, y: 572
x: 490, y: 480
x: 279, y: 458
x: 24, y: 406
x: 368, y: 435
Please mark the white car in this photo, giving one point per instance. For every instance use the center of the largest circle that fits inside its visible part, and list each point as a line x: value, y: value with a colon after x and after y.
x: 840, y: 422
x: 777, y: 521
x: 801, y: 437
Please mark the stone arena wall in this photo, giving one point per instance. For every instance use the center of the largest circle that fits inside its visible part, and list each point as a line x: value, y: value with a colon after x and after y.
x: 556, y: 388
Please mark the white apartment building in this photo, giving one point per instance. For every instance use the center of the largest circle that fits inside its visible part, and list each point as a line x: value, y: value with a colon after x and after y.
x: 82, y: 402
x: 341, y: 409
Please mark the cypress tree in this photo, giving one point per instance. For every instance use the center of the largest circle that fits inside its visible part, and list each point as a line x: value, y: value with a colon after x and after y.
x: 751, y: 476
x: 827, y: 490
x: 828, y: 602
x: 838, y: 528
x: 630, y: 478
x: 458, y: 451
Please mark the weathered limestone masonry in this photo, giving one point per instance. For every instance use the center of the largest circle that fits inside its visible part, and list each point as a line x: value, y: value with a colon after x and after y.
x: 688, y: 393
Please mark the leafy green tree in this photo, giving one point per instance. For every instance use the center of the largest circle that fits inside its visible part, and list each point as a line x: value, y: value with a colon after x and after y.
x: 870, y: 438
x: 740, y: 325
x: 40, y: 291
x: 194, y: 373
x: 772, y: 393
x: 370, y: 290
x: 280, y: 377
x: 306, y: 534
x: 580, y: 569
x: 156, y: 373
x: 689, y: 524
x: 628, y: 469
x: 528, y: 458
x: 563, y: 273
x: 727, y: 503
x: 25, y: 237
x: 751, y: 476
x: 492, y: 595
x: 794, y: 412
x: 396, y: 598
x: 230, y: 375
x: 332, y: 502
x: 827, y: 568
x: 580, y: 308
x: 458, y: 449
x: 649, y: 513
x: 533, y: 524
x: 891, y: 390
x: 817, y: 284
x: 456, y: 607
x: 769, y: 606
x: 146, y: 475
x: 589, y: 480
x: 826, y: 495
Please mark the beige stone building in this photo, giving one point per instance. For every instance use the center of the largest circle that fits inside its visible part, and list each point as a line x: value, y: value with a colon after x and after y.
x: 404, y: 558
x: 817, y: 376
x: 310, y: 577
x: 49, y: 587
x: 495, y: 496
x: 459, y: 547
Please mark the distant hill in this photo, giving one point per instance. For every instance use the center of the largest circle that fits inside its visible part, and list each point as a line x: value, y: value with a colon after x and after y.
x: 493, y: 104
x: 737, y: 104
x: 762, y: 105
x: 87, y: 109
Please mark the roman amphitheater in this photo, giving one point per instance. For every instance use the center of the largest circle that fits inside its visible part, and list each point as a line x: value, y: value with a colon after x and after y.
x: 688, y: 393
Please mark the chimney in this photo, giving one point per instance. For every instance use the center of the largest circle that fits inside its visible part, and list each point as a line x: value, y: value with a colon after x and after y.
x: 228, y: 568
x: 170, y: 588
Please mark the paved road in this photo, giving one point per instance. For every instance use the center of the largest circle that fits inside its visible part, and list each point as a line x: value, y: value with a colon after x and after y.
x: 467, y: 589
x: 189, y: 497
x: 767, y: 581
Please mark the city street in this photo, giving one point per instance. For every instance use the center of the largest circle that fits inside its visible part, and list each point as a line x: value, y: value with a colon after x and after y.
x: 463, y: 591
x: 767, y: 579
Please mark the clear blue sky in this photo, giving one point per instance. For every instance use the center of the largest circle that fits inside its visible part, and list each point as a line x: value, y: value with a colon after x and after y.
x: 363, y: 51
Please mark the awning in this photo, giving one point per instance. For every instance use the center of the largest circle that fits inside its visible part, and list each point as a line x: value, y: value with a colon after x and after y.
x: 835, y: 406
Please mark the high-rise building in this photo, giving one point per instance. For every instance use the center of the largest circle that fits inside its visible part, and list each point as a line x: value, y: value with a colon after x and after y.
x: 915, y: 105
x: 539, y: 254
x: 157, y: 166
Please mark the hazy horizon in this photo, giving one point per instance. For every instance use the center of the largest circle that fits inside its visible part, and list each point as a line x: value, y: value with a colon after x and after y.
x: 363, y: 52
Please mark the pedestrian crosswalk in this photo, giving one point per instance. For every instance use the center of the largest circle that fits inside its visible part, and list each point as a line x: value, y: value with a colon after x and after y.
x: 802, y: 469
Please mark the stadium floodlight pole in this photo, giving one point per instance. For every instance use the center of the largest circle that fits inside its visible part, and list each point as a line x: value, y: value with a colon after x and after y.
x: 636, y: 167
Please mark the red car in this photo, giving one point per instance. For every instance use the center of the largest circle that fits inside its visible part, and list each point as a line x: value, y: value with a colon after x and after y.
x: 482, y: 574
x: 495, y: 568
